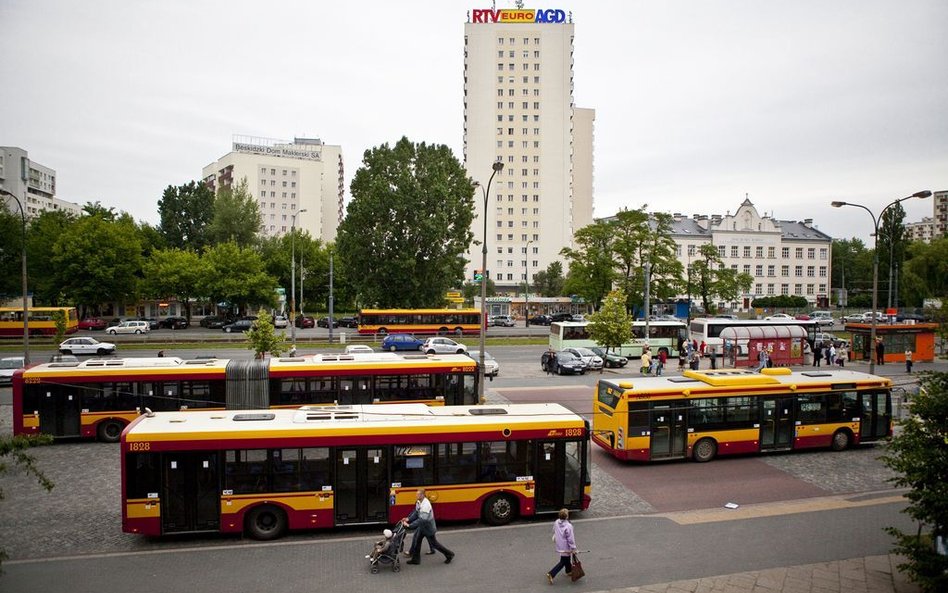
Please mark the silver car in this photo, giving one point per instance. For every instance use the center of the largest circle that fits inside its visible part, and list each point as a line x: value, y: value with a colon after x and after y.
x: 491, y: 366
x: 592, y: 360
x: 129, y: 327
x: 7, y: 366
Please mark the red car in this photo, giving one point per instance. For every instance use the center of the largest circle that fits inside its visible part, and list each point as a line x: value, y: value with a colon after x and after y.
x: 93, y: 323
x: 802, y: 317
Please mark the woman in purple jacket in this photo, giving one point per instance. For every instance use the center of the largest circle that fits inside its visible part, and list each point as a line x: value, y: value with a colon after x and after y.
x: 564, y: 544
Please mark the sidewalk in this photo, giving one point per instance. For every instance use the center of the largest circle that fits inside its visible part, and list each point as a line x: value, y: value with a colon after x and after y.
x: 873, y: 574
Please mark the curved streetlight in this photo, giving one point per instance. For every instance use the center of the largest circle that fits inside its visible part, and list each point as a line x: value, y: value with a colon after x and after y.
x: 875, y: 265
x: 293, y: 278
x: 26, y: 309
x: 498, y: 166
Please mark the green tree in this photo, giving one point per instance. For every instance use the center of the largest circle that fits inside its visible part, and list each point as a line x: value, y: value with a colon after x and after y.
x: 186, y: 212
x: 852, y: 269
x: 925, y: 273
x: 262, y: 337
x: 713, y: 281
x: 151, y: 238
x: 97, y: 260
x: 660, y: 250
x: 14, y: 447
x: 611, y: 326
x: 408, y: 225
x: 173, y: 273
x: 236, y: 216
x: 591, y: 267
x: 312, y: 267
x: 59, y: 322
x: 236, y: 275
x: 629, y: 233
x: 45, y: 230
x: 919, y: 455
x: 11, y: 245
x: 549, y: 282
x: 891, y: 245
x: 473, y: 289
x: 97, y: 210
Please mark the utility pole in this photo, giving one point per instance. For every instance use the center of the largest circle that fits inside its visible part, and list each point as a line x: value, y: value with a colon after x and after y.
x: 330, y: 297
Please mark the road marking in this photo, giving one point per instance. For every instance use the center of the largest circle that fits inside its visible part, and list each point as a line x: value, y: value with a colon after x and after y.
x: 772, y: 509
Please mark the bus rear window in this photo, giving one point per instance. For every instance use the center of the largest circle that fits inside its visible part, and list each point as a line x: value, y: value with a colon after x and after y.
x: 609, y: 394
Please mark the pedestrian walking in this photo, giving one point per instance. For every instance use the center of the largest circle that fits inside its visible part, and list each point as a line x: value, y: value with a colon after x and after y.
x: 646, y: 362
x: 423, y: 522
x: 761, y: 360
x: 841, y: 355
x: 564, y: 543
x: 880, y: 352
x: 908, y: 360
x: 817, y: 354
x: 828, y: 353
x: 694, y: 360
x: 832, y: 355
x: 662, y: 359
x: 713, y: 355
x: 681, y: 353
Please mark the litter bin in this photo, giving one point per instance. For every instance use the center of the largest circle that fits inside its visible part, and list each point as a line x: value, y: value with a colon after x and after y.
x: 342, y: 337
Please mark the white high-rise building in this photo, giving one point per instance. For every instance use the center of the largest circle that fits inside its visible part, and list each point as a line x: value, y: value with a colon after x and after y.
x: 518, y: 109
x: 33, y: 184
x: 286, y: 177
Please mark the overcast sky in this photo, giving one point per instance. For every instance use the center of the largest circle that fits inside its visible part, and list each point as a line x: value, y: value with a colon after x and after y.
x: 794, y: 102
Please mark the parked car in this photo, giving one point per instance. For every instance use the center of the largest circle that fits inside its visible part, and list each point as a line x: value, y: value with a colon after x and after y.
x: 84, y: 345
x: 865, y: 317
x: 241, y: 325
x: 500, y: 321
x: 213, y: 322
x: 541, y: 320
x: 491, y: 366
x: 152, y: 322
x: 280, y: 321
x: 359, y: 349
x: 562, y: 362
x: 93, y: 324
x: 443, y: 346
x: 916, y: 317
x: 826, y: 338
x: 324, y: 322
x: 393, y: 342
x: 350, y: 322
x: 577, y: 317
x: 561, y: 317
x: 611, y: 359
x: 129, y: 327
x: 802, y: 317
x: 174, y: 322
x: 305, y: 321
x: 823, y: 318
x: 592, y: 360
x: 7, y: 366
x: 778, y: 317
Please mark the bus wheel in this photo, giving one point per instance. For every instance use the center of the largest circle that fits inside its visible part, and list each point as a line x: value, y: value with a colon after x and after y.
x: 266, y: 522
x: 110, y: 431
x: 840, y: 440
x: 442, y: 331
x: 383, y: 331
x: 500, y: 509
x: 705, y: 450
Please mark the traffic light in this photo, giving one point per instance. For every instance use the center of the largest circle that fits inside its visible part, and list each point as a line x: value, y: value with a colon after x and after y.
x: 478, y: 276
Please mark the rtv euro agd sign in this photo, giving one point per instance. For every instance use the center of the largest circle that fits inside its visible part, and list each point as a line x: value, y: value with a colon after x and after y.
x: 518, y: 15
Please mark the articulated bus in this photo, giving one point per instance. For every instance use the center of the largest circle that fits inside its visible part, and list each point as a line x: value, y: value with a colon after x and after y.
x: 662, y: 335
x: 703, y: 414
x: 708, y: 329
x: 39, y: 321
x: 266, y: 471
x: 97, y: 398
x: 420, y: 321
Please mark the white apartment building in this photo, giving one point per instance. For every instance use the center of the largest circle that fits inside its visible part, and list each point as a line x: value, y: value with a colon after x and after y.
x: 32, y: 183
x: 784, y: 257
x: 921, y: 230
x: 933, y: 227
x: 518, y: 109
x: 285, y: 178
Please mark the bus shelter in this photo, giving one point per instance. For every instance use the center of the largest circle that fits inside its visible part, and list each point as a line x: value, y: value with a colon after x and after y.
x: 743, y: 344
x: 896, y: 338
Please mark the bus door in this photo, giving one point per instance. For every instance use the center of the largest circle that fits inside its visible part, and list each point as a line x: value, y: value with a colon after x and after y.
x: 60, y: 411
x: 355, y: 390
x: 776, y: 423
x: 559, y: 475
x: 875, y: 415
x: 190, y: 497
x: 361, y: 490
x: 667, y: 426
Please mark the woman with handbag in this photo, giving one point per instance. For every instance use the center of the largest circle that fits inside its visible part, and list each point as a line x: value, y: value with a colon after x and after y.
x: 563, y: 543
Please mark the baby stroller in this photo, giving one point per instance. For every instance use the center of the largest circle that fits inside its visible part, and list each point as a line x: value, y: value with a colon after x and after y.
x: 391, y: 553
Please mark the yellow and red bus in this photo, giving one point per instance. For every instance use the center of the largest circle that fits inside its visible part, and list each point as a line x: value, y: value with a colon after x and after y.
x: 97, y: 398
x: 420, y: 321
x: 268, y: 471
x: 703, y: 414
x: 40, y: 321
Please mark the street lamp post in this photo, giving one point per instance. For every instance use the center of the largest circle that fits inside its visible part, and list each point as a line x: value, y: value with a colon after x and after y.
x: 526, y: 286
x: 293, y: 277
x: 497, y: 167
x: 26, y: 308
x: 875, y: 265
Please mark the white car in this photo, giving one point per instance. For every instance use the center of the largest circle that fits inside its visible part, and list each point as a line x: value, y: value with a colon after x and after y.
x: 491, y: 366
x: 592, y: 360
x: 86, y: 346
x: 7, y: 366
x: 442, y: 346
x: 777, y: 317
x: 129, y: 327
x: 359, y: 349
x: 830, y: 339
x: 280, y: 321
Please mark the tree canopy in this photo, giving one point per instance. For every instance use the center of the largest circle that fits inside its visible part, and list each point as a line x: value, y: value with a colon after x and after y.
x: 236, y: 216
x: 712, y: 280
x: 611, y: 326
x: 408, y: 225
x: 236, y: 275
x: 549, y: 282
x: 173, y: 273
x: 186, y: 212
